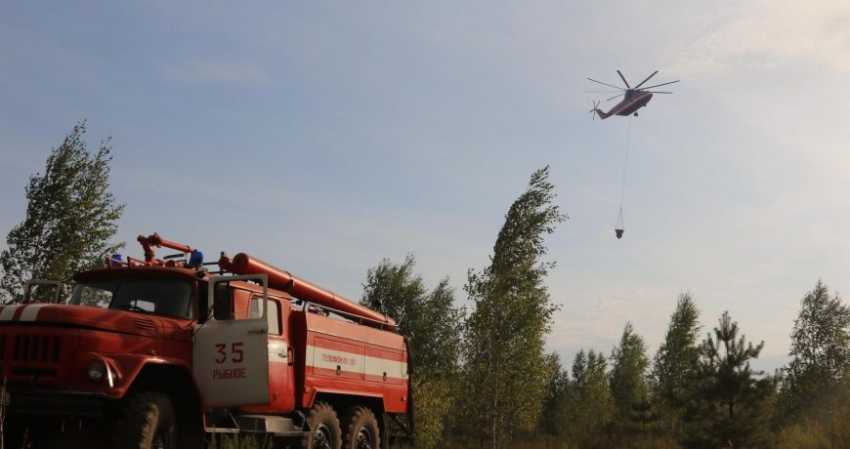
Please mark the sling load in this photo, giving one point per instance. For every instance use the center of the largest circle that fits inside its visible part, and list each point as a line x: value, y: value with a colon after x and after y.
x: 620, y: 226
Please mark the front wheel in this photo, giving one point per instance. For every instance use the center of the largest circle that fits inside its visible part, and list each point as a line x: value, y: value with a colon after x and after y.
x: 361, y: 431
x: 146, y: 421
x: 324, y: 424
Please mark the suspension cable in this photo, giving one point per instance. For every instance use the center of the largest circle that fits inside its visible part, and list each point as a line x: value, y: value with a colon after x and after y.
x: 626, y: 163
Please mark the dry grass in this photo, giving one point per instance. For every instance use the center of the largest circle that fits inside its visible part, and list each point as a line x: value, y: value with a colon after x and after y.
x: 236, y: 441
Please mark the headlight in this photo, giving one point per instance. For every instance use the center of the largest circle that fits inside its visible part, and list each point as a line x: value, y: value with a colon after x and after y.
x: 97, y: 370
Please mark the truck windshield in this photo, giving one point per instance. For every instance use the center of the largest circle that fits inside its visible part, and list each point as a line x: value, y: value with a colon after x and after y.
x: 170, y: 297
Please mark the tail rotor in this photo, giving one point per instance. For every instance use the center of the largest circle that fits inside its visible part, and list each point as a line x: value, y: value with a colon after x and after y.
x: 593, y: 111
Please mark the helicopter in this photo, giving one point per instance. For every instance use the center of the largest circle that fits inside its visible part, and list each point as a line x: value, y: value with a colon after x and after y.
x: 634, y: 98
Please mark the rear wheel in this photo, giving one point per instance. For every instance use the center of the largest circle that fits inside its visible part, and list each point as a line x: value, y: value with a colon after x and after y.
x: 361, y: 429
x: 146, y: 421
x: 324, y: 424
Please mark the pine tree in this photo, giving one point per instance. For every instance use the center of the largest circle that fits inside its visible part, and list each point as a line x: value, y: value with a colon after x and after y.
x: 70, y: 218
x: 676, y: 362
x: 820, y: 351
x: 505, y: 333
x: 431, y: 322
x: 629, y: 388
x: 730, y: 401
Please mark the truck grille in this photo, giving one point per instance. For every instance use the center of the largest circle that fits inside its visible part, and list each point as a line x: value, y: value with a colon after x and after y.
x: 35, y: 356
x: 35, y: 348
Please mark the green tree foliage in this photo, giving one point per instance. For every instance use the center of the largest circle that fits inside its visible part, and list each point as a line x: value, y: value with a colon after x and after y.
x: 731, y: 403
x: 553, y: 414
x: 590, y: 406
x: 433, y: 405
x: 820, y: 351
x: 432, y: 323
x: 428, y: 319
x: 676, y: 363
x: 505, y: 371
x: 70, y: 218
x: 628, y: 380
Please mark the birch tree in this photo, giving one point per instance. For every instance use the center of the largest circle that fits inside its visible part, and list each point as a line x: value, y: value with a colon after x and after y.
x: 70, y: 218
x: 505, y: 372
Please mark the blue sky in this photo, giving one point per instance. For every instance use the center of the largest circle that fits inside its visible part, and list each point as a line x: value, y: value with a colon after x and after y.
x: 325, y: 136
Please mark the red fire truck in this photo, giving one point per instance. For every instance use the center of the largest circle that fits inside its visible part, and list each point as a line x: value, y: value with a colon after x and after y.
x: 163, y: 353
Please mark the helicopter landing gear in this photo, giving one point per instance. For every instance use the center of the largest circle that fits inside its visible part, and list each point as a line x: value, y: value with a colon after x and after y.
x: 636, y: 114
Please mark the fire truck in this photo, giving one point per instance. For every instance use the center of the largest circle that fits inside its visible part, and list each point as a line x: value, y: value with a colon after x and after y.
x: 166, y: 353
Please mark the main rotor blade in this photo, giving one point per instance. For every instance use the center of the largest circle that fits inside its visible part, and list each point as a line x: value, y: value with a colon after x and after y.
x: 657, y: 92
x: 662, y: 84
x: 601, y: 91
x: 605, y: 84
x: 647, y: 79
x: 615, y: 96
x: 624, y: 79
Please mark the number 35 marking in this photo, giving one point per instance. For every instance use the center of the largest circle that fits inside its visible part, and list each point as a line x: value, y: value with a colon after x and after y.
x: 236, y: 354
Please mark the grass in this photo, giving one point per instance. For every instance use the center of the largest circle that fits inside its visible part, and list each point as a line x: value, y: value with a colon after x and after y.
x: 239, y: 441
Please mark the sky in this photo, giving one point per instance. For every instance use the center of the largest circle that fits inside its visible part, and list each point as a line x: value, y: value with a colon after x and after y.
x: 326, y: 136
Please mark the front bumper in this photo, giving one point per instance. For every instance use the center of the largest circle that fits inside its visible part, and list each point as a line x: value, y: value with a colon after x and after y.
x: 55, y: 403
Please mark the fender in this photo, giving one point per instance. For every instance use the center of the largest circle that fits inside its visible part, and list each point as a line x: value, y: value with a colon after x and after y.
x: 128, y: 372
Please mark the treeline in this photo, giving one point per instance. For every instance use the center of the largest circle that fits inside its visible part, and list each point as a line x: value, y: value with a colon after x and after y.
x: 483, y: 379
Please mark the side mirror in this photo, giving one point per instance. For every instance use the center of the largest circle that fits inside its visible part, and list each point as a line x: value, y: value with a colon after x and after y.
x: 223, y: 302
x: 36, y: 284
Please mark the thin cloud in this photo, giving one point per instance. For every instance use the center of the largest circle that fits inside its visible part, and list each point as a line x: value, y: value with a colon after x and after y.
x: 769, y: 34
x: 215, y: 72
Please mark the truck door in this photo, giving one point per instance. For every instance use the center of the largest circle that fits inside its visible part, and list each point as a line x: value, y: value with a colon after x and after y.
x: 281, y: 355
x: 230, y: 356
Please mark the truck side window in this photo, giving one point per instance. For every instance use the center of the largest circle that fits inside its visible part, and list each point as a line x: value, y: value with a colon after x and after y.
x: 223, y: 302
x: 273, y: 315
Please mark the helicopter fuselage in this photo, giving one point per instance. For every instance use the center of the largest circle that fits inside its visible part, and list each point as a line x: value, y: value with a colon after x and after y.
x: 633, y: 101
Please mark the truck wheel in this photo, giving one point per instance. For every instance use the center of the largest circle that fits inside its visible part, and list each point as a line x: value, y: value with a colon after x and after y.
x: 325, y: 426
x: 146, y: 421
x: 361, y: 429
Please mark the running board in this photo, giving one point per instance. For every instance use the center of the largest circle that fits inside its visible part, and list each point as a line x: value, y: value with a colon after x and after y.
x: 261, y: 424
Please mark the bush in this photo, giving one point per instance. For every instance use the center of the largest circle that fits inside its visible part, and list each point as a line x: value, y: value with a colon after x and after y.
x: 796, y: 436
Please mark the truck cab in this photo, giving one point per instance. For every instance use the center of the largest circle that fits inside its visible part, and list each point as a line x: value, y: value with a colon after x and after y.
x: 160, y: 354
x: 91, y: 361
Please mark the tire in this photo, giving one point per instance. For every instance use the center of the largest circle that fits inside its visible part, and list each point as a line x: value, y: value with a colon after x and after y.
x: 324, y: 424
x: 14, y: 433
x: 361, y: 429
x: 146, y: 421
